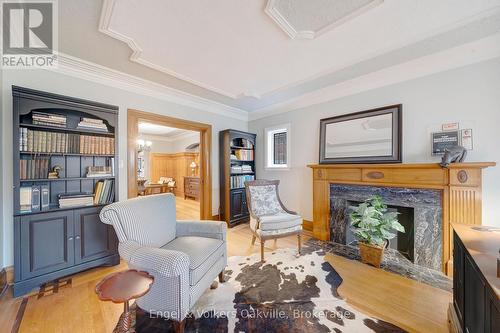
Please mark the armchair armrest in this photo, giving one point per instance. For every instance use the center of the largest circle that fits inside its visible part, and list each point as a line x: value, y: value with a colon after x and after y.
x: 209, y: 229
x: 167, y: 263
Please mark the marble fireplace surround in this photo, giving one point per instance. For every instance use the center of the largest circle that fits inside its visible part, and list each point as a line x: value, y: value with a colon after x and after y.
x: 459, y: 186
x: 427, y: 210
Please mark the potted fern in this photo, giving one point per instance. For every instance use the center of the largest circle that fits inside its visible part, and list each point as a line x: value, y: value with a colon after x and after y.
x: 373, y: 225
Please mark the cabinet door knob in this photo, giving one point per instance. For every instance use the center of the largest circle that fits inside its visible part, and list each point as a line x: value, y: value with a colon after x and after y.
x: 77, y: 237
x: 70, y: 239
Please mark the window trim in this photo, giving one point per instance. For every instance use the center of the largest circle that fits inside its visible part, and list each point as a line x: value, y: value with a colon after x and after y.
x: 269, y: 153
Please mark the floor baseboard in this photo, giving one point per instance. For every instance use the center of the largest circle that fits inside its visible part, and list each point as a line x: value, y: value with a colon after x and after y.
x: 307, y: 225
x: 3, y: 281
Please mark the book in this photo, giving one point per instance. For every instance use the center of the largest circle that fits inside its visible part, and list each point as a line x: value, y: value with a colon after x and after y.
x: 25, y: 199
x: 35, y: 198
x: 45, y: 197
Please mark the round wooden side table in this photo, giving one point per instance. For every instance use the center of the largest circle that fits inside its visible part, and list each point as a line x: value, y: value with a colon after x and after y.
x: 121, y: 287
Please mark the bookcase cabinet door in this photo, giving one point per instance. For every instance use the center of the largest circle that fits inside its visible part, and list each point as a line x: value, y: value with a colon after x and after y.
x: 238, y: 204
x: 47, y: 243
x: 93, y: 239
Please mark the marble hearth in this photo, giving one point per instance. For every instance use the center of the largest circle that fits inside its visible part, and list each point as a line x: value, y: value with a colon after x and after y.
x: 424, y: 204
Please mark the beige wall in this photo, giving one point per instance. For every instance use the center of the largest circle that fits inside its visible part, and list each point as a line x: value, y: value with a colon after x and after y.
x: 468, y: 95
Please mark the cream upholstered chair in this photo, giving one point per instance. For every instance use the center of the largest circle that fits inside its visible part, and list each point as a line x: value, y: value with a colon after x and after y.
x: 183, y: 256
x: 269, y: 218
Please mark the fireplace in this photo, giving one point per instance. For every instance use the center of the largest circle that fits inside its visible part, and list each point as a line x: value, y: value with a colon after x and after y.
x: 457, y: 189
x: 420, y: 214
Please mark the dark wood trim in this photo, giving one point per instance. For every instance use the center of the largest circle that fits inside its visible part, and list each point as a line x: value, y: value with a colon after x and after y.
x: 397, y: 135
x: 20, y: 315
x: 205, y: 130
x: 61, y: 99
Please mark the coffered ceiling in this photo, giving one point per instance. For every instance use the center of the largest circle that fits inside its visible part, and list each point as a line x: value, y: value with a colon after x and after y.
x: 254, y: 55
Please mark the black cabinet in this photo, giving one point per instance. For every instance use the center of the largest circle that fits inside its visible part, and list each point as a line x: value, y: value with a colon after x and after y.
x: 47, y: 241
x: 458, y: 280
x: 474, y: 314
x: 55, y: 155
x: 237, y: 166
x: 475, y: 304
x: 93, y: 239
x: 238, y: 204
x: 56, y: 244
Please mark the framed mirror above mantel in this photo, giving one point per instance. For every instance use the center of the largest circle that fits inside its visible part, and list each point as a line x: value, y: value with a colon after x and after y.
x: 460, y: 185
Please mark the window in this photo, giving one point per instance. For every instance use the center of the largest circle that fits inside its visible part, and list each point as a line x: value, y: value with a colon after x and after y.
x: 278, y: 147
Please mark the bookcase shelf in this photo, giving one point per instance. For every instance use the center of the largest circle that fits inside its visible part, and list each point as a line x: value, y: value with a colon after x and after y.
x: 64, y: 179
x: 42, y: 229
x: 64, y: 154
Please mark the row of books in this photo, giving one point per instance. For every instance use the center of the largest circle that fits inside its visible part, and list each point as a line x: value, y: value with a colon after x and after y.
x: 75, y: 200
x: 34, y: 168
x: 93, y: 124
x: 104, y: 192
x: 239, y: 181
x: 242, y: 155
x: 241, y: 168
x: 101, y: 171
x: 34, y: 198
x: 50, y: 119
x: 65, y: 143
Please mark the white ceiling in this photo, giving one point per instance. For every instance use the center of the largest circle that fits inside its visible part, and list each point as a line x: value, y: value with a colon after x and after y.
x: 233, y: 48
x: 236, y: 57
x: 164, y: 131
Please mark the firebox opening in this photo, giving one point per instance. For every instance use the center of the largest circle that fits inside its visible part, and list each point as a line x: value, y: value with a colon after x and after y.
x: 403, y: 242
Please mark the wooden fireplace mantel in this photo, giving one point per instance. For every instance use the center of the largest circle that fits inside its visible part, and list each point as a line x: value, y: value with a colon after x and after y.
x: 460, y: 184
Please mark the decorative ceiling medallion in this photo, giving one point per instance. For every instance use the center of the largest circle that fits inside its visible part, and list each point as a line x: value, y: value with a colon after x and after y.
x: 308, y: 19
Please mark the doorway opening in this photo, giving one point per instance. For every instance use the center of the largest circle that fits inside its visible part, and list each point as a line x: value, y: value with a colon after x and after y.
x: 170, y: 155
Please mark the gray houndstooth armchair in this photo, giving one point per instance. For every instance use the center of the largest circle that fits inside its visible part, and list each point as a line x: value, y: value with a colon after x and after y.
x: 183, y: 256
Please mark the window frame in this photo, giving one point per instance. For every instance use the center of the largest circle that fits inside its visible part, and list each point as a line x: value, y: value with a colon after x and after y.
x: 269, y: 133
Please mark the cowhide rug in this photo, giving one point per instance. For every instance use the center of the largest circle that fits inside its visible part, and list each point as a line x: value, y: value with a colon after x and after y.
x: 285, y: 294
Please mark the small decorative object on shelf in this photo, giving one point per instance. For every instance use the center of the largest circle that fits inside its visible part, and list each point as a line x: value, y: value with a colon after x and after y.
x: 373, y: 225
x: 455, y: 154
x: 54, y: 174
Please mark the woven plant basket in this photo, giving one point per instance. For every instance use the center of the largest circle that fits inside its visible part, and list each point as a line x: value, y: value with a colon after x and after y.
x: 371, y: 254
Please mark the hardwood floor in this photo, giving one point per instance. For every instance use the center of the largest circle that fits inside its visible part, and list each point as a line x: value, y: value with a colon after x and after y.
x: 76, y: 308
x: 187, y: 209
x: 409, y: 304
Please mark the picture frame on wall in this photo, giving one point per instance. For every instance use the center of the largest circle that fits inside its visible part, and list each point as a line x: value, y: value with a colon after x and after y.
x: 371, y: 136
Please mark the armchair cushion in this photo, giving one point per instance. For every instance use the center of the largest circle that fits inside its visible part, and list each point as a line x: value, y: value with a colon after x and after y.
x: 149, y: 221
x: 264, y: 200
x: 210, y: 229
x: 203, y: 253
x: 279, y: 221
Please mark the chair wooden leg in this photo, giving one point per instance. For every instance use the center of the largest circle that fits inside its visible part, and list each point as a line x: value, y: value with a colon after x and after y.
x: 262, y: 251
x: 221, y: 277
x: 253, y: 240
x: 299, y: 238
x: 179, y: 326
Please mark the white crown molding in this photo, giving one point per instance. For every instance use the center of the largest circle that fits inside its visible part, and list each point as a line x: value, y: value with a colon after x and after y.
x: 107, y: 12
x: 185, y: 135
x: 86, y: 70
x: 467, y: 54
x: 293, y: 33
x: 104, y: 27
